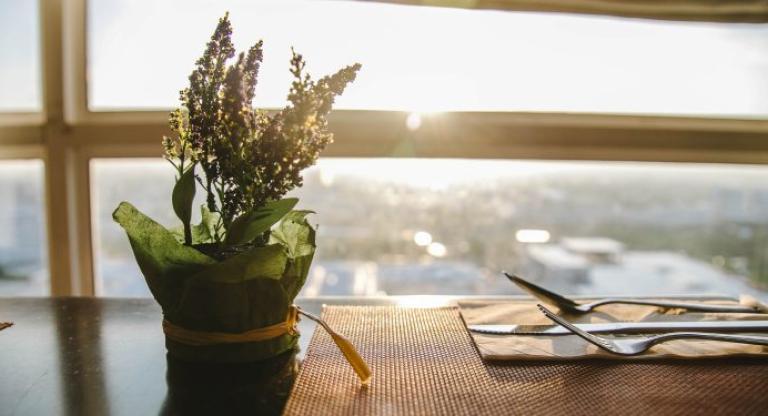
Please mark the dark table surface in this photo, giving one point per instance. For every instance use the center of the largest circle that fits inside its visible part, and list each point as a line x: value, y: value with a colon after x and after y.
x: 102, y: 356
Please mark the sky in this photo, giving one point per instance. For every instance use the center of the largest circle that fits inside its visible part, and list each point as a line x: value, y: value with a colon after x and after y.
x: 19, y: 56
x: 438, y: 59
x: 422, y: 59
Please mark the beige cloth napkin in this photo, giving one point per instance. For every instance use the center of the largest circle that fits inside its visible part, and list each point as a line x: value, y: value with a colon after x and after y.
x: 571, y: 347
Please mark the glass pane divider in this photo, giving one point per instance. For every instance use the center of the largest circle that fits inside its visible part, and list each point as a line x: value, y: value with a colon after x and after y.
x: 21, y: 119
x: 22, y: 151
x: 11, y: 136
x: 66, y: 170
x: 489, y: 136
x: 492, y: 118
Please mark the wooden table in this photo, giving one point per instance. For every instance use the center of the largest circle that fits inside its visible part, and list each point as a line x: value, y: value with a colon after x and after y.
x: 94, y: 356
x: 101, y: 356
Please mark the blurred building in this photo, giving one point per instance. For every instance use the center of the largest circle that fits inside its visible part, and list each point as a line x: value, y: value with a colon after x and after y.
x: 592, y: 266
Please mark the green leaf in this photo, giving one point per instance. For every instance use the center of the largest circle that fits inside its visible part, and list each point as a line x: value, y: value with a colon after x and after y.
x: 208, y: 222
x: 164, y: 262
x: 252, y: 224
x: 295, y: 233
x: 267, y: 262
x: 201, y: 233
x: 205, y: 231
x: 182, y: 197
x: 296, y: 274
x: 298, y: 237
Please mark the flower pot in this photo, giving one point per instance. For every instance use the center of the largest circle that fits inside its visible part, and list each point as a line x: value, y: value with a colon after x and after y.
x: 230, y: 388
x: 233, y: 310
x: 232, y: 322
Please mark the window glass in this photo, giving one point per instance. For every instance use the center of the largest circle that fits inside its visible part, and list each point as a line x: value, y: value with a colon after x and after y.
x: 146, y: 183
x: 437, y: 59
x: 19, y: 56
x: 23, y: 257
x: 419, y: 226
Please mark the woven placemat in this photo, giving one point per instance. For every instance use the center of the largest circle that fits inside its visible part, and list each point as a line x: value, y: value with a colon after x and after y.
x: 573, y: 347
x: 424, y: 362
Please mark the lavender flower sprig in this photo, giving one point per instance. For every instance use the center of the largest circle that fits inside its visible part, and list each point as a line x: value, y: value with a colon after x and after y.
x: 248, y: 157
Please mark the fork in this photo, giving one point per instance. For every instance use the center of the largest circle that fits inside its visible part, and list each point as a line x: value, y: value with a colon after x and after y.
x: 568, y: 305
x: 639, y: 345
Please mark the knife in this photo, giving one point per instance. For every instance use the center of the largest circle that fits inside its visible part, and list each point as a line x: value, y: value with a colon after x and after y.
x: 625, y: 328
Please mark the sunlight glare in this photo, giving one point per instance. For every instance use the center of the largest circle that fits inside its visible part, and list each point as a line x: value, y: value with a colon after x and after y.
x: 422, y: 238
x: 326, y: 177
x: 437, y: 250
x: 532, y: 236
x: 413, y: 122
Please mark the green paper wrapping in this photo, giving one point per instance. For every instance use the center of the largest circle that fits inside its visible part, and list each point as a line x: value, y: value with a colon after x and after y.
x: 251, y: 290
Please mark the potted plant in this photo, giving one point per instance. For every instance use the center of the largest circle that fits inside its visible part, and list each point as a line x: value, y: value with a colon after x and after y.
x: 226, y: 285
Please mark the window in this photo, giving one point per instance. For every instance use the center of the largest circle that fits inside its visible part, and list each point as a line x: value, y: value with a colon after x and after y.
x: 502, y: 85
x: 23, y: 263
x: 417, y: 226
x: 146, y: 184
x: 460, y: 60
x: 19, y: 56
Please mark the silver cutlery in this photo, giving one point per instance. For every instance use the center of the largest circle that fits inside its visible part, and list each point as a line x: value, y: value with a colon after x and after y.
x: 646, y: 327
x: 567, y: 305
x: 638, y: 345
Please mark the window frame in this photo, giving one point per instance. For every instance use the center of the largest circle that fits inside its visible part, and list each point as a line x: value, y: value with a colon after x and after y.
x: 67, y: 135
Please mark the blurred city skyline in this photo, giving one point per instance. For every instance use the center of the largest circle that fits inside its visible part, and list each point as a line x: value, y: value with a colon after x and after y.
x: 449, y: 226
